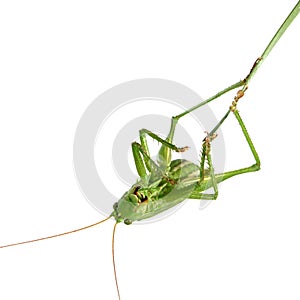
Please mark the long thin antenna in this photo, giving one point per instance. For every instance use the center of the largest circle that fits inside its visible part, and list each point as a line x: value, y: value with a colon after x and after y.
x: 56, y: 235
x: 113, y: 257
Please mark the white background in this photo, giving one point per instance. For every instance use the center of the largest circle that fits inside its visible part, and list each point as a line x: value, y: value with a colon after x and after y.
x: 57, y: 57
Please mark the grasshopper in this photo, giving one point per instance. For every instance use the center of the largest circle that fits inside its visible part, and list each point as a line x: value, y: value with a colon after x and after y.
x: 165, y: 183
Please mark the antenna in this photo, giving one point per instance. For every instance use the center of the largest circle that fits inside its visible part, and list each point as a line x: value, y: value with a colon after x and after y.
x: 56, y: 235
x: 113, y: 257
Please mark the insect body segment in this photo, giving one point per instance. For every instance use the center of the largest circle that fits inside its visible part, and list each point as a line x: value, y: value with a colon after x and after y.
x: 152, y: 195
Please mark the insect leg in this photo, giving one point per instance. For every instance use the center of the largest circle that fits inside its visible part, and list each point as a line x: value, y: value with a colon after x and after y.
x: 145, y: 148
x: 232, y: 108
x: 216, y: 96
x: 207, y: 176
x: 252, y: 168
x: 141, y: 155
x: 171, y: 146
x: 214, y: 179
x: 164, y: 154
x: 142, y: 160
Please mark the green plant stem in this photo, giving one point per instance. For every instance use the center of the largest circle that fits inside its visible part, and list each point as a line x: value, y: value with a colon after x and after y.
x: 284, y: 26
x: 244, y: 83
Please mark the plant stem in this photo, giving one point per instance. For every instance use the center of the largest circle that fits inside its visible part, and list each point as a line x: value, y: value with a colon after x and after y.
x: 293, y: 14
x: 244, y: 83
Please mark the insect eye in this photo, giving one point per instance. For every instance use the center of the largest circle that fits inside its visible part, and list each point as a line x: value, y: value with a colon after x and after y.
x: 127, y: 221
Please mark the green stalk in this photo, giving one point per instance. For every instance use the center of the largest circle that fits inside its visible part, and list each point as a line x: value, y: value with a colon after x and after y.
x: 244, y: 83
x: 284, y: 26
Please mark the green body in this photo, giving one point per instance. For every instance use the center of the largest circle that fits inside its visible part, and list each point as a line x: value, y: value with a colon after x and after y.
x: 166, y: 183
x: 155, y: 193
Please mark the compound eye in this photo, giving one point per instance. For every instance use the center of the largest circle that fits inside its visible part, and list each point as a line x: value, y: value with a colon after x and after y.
x: 127, y: 221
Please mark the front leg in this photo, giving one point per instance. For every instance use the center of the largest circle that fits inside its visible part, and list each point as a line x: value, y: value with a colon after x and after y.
x: 164, y: 155
x: 141, y: 154
x: 142, y: 160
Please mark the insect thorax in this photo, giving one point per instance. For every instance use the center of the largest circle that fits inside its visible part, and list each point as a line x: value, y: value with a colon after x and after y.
x: 157, y: 192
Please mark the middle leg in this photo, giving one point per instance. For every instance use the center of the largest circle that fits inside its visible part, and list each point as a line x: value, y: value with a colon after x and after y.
x: 207, y: 178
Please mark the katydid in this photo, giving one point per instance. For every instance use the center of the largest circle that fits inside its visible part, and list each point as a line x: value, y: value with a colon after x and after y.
x: 164, y: 183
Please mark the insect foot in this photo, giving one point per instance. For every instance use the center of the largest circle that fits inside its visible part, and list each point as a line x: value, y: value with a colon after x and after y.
x: 207, y: 140
x: 209, y: 137
x: 182, y: 149
x: 238, y: 96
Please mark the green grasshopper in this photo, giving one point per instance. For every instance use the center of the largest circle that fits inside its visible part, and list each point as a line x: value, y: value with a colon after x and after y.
x: 165, y: 183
